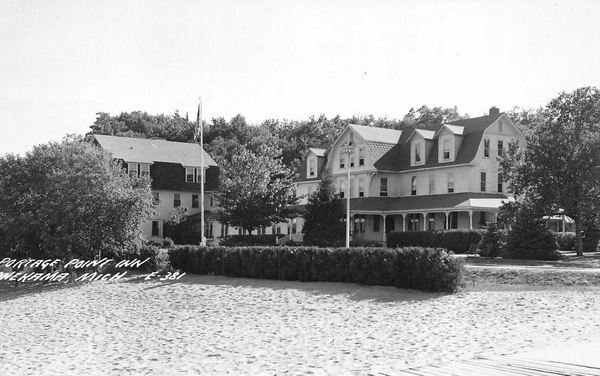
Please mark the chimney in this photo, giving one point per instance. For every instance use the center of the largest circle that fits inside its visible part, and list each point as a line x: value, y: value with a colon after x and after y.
x: 494, y: 111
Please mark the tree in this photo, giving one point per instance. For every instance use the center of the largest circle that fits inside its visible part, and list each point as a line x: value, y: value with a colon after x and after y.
x: 256, y: 190
x: 529, y: 238
x: 561, y: 164
x: 69, y: 199
x: 323, y: 224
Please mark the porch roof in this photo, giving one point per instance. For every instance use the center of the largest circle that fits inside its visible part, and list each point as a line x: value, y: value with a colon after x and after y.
x: 449, y: 201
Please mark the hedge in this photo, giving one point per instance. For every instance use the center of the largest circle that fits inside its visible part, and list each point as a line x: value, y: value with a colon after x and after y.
x: 566, y: 241
x: 457, y: 241
x: 423, y: 269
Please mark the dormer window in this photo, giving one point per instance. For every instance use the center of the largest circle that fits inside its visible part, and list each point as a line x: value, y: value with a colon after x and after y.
x: 446, y: 149
x: 193, y: 175
x: 361, y: 157
x: 417, y: 154
x: 135, y: 170
x: 486, y: 148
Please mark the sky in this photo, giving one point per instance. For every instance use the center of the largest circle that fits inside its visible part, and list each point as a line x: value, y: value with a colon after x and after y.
x: 62, y: 62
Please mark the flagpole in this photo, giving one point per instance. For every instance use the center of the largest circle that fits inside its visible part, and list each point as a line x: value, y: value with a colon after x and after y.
x: 200, y: 126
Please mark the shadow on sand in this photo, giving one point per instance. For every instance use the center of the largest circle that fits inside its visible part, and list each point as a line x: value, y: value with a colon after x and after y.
x: 9, y: 291
x: 382, y: 294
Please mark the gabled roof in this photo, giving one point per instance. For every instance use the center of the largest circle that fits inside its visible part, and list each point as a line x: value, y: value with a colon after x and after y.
x: 318, y: 152
x: 398, y: 158
x: 385, y: 135
x: 456, y: 129
x: 144, y: 150
x: 424, y: 202
x: 425, y: 133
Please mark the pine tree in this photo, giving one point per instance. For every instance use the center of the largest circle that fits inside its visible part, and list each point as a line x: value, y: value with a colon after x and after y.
x: 529, y: 238
x: 323, y: 217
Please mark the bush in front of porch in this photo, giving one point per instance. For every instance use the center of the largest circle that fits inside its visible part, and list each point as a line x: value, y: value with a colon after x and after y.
x: 457, y: 241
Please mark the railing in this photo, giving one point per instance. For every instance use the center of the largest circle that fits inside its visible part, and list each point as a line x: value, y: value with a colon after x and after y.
x: 290, y: 238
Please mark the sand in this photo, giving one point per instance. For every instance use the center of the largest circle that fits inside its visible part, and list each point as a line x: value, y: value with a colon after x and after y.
x: 216, y: 325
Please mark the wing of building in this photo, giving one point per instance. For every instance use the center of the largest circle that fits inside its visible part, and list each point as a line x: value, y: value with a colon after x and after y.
x: 444, y: 177
x: 175, y: 170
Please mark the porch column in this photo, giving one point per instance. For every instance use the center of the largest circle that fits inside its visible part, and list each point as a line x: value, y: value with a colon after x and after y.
x: 403, y: 220
x: 447, y: 220
x: 384, y: 229
x: 470, y: 219
x: 425, y: 223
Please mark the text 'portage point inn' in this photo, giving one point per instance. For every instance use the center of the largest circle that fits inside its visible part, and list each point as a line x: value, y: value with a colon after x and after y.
x: 423, y: 178
x: 434, y: 177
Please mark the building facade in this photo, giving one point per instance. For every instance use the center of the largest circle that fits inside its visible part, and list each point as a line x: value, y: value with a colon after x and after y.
x: 430, y: 178
x: 175, y: 172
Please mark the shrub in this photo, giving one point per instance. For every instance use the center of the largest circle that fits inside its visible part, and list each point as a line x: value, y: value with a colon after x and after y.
x: 365, y: 243
x: 410, y: 239
x: 591, y: 239
x: 457, y: 241
x: 529, y: 239
x: 492, y: 241
x: 566, y: 241
x: 161, y: 243
x: 415, y: 268
x: 250, y: 240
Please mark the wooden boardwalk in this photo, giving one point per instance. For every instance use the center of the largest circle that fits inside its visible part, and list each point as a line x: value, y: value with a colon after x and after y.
x: 501, y: 366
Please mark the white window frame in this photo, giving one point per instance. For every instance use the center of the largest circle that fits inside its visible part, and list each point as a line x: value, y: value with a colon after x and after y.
x: 431, y: 184
x: 451, y: 188
x: 483, y: 181
x: 413, y: 185
x: 361, y: 187
x: 361, y: 156
x: 381, y: 190
x: 486, y: 149
x: 446, y: 146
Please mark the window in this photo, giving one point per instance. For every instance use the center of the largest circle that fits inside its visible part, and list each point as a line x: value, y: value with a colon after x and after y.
x: 278, y: 229
x: 390, y: 224
x: 483, y: 181
x: 361, y: 187
x: 376, y: 223
x: 446, y: 149
x: 193, y: 175
x: 312, y: 169
x: 189, y: 174
x: 383, y: 187
x: 155, y: 228
x: 450, y: 182
x: 500, y: 148
x: 208, y: 230
x: 294, y: 227
x: 413, y: 186
x: 361, y: 157
x: 431, y: 222
x: 155, y: 198
x: 413, y: 222
x: 224, y: 230
x: 431, y: 184
x: 417, y: 153
x: 453, y: 220
x: 132, y: 169
x: 500, y: 187
x: 145, y: 169
x: 342, y: 162
x: 195, y: 201
x: 211, y: 202
x: 352, y: 160
x: 342, y: 188
x: 176, y: 200
x: 359, y: 223
x: 135, y: 170
x: 486, y: 148
x: 482, y: 219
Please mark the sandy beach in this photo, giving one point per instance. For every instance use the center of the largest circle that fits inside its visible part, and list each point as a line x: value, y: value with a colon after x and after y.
x: 217, y: 325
